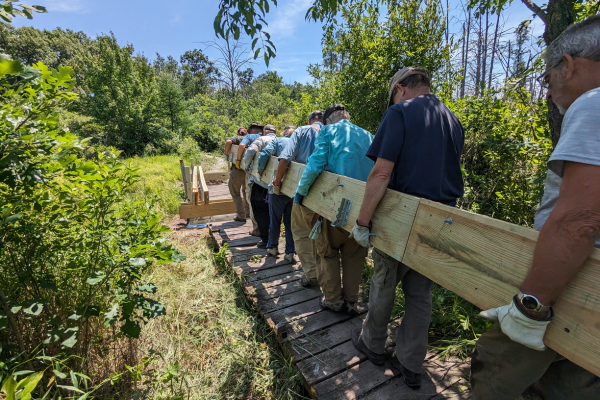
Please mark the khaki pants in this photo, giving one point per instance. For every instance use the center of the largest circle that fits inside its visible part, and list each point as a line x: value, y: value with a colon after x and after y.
x: 248, y: 195
x: 502, y: 370
x: 331, y: 244
x: 237, y: 188
x: 411, y: 340
x: 303, y: 221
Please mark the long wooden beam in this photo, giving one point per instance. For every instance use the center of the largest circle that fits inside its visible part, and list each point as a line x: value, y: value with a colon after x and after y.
x: 481, y: 259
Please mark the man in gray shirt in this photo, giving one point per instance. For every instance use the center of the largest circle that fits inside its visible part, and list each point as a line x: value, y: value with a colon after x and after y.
x: 512, y: 355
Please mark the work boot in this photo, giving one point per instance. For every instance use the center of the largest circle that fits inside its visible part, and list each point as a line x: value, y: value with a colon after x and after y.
x: 254, y: 233
x: 272, y: 252
x: 262, y: 245
x: 352, y: 308
x: 291, y: 258
x: 308, y: 282
x: 338, y: 306
x: 412, y: 379
x: 377, y: 359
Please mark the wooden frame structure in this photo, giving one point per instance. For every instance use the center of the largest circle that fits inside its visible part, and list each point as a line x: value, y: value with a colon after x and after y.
x: 481, y: 259
x: 198, y: 204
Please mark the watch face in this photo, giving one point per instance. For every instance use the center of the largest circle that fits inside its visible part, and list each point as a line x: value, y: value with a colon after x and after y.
x: 529, y: 303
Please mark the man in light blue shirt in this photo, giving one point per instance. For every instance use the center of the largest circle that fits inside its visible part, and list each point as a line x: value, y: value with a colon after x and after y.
x: 298, y: 149
x: 341, y: 148
x: 280, y: 205
x: 255, y: 130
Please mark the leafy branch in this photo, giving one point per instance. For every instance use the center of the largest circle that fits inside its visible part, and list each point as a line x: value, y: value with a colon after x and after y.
x: 9, y: 10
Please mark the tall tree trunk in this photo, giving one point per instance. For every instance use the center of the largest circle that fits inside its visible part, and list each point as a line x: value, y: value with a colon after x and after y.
x: 485, y: 47
x: 560, y: 14
x: 462, y: 89
x: 508, y: 60
x: 479, y: 51
x: 494, y: 50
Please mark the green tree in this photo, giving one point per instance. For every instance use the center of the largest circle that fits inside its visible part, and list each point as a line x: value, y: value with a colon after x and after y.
x: 121, y: 94
x: 171, y: 102
x: 198, y: 73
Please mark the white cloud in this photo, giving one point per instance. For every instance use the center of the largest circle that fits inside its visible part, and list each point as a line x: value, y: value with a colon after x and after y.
x: 66, y: 6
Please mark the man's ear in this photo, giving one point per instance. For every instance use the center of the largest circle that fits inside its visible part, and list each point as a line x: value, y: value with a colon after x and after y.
x: 568, y: 66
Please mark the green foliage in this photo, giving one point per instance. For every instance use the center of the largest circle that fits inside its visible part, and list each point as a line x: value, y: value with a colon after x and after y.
x: 507, y: 146
x: 72, y: 256
x: 9, y: 10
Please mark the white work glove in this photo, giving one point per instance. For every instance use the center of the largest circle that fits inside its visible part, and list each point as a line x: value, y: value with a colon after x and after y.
x: 362, y: 235
x: 276, y: 189
x: 517, y: 326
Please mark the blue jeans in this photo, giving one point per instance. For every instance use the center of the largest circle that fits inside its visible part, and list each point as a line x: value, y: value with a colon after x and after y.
x: 280, y: 205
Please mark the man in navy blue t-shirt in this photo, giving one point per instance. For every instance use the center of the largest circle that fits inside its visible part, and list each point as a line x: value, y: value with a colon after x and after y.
x: 416, y: 151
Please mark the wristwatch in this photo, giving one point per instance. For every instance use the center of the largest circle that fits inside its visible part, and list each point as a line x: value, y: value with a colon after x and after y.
x: 531, y: 303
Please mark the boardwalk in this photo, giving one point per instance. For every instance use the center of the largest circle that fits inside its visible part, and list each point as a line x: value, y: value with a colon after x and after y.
x: 319, y: 340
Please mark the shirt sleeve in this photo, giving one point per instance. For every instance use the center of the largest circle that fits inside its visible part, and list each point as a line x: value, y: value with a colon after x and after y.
x: 247, y: 140
x: 249, y: 154
x: 580, y: 134
x: 316, y: 162
x: 389, y: 138
x: 265, y: 155
x: 291, y: 149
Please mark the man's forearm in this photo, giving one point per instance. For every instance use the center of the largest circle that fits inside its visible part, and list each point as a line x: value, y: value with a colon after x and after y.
x: 240, y: 153
x: 374, y: 192
x: 281, y: 170
x: 228, y: 147
x: 561, y: 250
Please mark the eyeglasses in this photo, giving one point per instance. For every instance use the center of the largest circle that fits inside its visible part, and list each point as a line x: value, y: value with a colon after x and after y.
x: 544, y: 78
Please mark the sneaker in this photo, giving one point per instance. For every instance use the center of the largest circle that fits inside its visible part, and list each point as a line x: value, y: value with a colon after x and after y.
x: 338, y: 306
x: 262, y: 245
x: 238, y: 219
x: 272, y: 252
x: 291, y: 258
x: 377, y: 359
x: 253, y: 233
x: 412, y: 379
x: 309, y: 282
x: 352, y: 308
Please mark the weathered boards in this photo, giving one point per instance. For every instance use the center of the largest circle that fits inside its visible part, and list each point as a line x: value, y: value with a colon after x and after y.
x: 479, y: 258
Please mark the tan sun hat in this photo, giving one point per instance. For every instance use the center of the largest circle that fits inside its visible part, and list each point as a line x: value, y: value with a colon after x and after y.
x: 401, y: 75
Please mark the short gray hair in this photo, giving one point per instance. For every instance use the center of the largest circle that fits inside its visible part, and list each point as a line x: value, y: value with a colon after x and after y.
x: 339, y: 115
x: 581, y: 39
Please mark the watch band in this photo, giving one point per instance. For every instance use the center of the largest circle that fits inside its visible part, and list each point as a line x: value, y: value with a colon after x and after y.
x: 531, y: 303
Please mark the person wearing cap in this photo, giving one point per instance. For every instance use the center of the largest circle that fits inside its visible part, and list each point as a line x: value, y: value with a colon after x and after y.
x: 512, y: 355
x: 237, y: 176
x: 417, y: 151
x: 280, y: 205
x: 340, y: 148
x: 255, y: 130
x: 259, y: 189
x: 298, y: 149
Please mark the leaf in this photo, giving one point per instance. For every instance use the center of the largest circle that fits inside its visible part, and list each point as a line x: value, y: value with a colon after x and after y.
x: 71, y: 388
x: 9, y: 386
x: 29, y: 384
x: 70, y: 342
x: 111, y: 316
x: 59, y: 374
x: 131, y: 329
x: 148, y: 288
x: 177, y: 256
x: 10, y: 67
x: 96, y: 278
x: 13, y: 218
x: 34, y: 309
x: 137, y: 262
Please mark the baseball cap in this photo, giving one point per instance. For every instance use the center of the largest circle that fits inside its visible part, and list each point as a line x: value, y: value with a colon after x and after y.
x: 255, y: 124
x: 331, y: 109
x: 401, y: 75
x: 270, y: 128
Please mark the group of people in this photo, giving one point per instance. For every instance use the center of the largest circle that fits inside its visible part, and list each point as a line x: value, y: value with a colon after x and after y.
x: 417, y: 150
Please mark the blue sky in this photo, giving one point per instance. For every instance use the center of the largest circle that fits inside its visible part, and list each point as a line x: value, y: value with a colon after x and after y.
x: 172, y: 27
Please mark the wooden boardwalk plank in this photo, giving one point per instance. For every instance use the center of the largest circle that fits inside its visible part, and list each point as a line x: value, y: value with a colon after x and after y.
x: 263, y: 275
x: 239, y: 240
x: 275, y: 281
x: 281, y: 302
x: 315, y: 322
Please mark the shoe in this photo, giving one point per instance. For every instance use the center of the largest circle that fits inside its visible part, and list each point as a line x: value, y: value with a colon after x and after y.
x: 272, y: 252
x: 377, y: 359
x: 252, y: 233
x: 262, y: 245
x: 309, y: 282
x: 338, y: 306
x: 238, y: 219
x: 352, y: 308
x: 291, y: 258
x: 412, y: 379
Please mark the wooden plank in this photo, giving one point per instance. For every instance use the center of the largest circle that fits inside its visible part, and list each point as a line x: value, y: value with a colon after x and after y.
x: 195, y: 194
x: 216, y: 175
x: 279, y: 318
x: 315, y: 322
x: 392, y: 219
x: 284, y: 301
x: 275, y: 281
x: 188, y: 177
x: 485, y: 260
x: 204, y: 187
x: 354, y: 382
x: 238, y: 240
x: 263, y: 265
x: 262, y: 295
x: 206, y: 210
x: 265, y: 275
x: 489, y: 259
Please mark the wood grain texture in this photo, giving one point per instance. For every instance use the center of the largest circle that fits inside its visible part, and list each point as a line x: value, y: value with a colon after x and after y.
x: 188, y: 187
x: 195, y: 194
x: 206, y: 210
x: 203, y: 186
x: 482, y: 259
x: 485, y: 260
x: 216, y: 176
